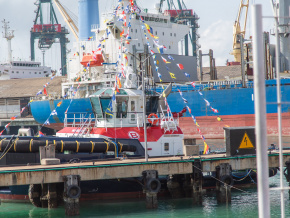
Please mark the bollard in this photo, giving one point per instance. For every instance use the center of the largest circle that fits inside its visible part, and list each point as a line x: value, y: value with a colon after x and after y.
x: 72, y: 193
x: 197, y: 178
x: 151, y: 187
x: 224, y: 183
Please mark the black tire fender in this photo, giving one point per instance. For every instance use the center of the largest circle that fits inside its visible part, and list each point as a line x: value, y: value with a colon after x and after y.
x: 153, y: 185
x: 34, y: 193
x: 73, y: 191
x: 227, y: 179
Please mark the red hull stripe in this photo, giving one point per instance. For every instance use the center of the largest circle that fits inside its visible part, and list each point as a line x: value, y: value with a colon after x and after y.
x: 153, y: 133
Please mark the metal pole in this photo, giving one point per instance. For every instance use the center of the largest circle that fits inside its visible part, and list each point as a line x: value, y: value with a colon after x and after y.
x: 144, y: 111
x: 242, y: 60
x: 260, y: 113
x: 200, y: 65
x: 279, y: 111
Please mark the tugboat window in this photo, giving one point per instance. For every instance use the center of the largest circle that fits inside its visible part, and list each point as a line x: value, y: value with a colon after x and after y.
x: 166, y: 146
x: 105, y: 103
x: 122, y: 107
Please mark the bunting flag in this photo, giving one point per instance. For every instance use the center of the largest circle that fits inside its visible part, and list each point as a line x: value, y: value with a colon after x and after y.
x: 206, y: 148
x: 47, y: 122
x: 40, y: 134
x: 6, y: 126
x: 2, y: 132
x: 170, y: 58
x: 53, y: 113
x: 165, y: 61
x: 193, y: 84
x: 44, y: 91
x: 214, y: 110
x: 22, y: 109
x: 13, y: 118
x: 39, y: 93
x: 172, y: 75
x: 109, y: 110
x: 207, y: 103
x: 189, y: 110
x: 59, y: 103
x: 119, y: 82
x: 180, y: 66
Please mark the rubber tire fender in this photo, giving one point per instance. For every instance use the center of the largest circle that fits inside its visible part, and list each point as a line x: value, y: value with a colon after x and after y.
x: 227, y: 179
x: 75, y: 195
x: 153, y: 185
x: 34, y: 188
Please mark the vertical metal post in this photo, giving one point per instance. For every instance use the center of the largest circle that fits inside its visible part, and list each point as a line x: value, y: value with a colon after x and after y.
x: 260, y: 113
x: 200, y: 65
x: 144, y: 111
x: 242, y: 60
x: 279, y: 111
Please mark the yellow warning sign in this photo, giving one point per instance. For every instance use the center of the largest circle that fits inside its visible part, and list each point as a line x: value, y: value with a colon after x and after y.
x: 246, y: 142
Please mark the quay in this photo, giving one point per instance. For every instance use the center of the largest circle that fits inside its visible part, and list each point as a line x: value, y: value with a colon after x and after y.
x: 193, y: 166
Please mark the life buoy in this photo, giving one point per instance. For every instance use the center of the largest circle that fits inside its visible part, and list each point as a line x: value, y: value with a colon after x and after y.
x: 154, y: 120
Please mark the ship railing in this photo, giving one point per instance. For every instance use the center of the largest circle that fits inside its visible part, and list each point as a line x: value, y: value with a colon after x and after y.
x: 78, y: 119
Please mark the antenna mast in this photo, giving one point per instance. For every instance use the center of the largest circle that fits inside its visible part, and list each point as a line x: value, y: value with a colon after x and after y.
x: 8, y: 34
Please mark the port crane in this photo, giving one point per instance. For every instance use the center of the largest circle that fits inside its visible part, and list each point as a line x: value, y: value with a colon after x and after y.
x: 238, y: 31
x: 73, y: 27
x: 182, y: 14
x: 46, y: 33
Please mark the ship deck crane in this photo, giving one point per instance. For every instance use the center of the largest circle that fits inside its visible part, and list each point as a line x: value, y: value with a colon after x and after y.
x: 238, y: 31
x: 182, y: 14
x: 73, y: 27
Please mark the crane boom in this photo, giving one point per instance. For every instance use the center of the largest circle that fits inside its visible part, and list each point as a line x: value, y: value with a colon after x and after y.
x: 67, y: 19
x: 237, y: 30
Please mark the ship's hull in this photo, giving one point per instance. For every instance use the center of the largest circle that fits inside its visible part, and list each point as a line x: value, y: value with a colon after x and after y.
x: 235, y: 106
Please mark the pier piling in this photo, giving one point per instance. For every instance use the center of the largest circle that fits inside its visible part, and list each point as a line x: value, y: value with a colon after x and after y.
x: 151, y: 187
x: 197, y: 182
x: 224, y: 183
x: 287, y: 174
x: 174, y: 185
x: 72, y: 194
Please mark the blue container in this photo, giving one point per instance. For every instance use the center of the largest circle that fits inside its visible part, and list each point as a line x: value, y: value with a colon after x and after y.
x: 88, y: 16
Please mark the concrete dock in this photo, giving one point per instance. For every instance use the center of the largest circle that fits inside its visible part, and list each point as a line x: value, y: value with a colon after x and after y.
x: 43, y: 179
x: 116, y: 169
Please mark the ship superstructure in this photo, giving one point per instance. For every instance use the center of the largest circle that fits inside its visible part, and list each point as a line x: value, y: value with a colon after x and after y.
x: 19, y: 69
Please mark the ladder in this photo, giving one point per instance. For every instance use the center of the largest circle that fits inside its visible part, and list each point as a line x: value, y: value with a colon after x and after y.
x: 167, y: 122
x: 84, y: 128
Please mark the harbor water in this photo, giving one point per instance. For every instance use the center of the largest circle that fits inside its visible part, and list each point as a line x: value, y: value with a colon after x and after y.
x: 244, y: 204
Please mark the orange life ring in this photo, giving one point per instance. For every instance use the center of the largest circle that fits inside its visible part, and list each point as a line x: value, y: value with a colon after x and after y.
x: 153, y: 121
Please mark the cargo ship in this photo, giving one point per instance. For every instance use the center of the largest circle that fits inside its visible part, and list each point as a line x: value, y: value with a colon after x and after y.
x: 96, y: 63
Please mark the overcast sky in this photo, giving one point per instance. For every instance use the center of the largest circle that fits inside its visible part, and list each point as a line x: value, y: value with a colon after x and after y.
x: 216, y: 26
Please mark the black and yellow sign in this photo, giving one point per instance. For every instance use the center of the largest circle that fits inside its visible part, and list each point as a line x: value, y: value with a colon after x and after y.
x: 240, y: 141
x: 246, y: 142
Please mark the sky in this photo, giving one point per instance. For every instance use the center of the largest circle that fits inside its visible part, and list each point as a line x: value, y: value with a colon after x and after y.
x: 216, y: 26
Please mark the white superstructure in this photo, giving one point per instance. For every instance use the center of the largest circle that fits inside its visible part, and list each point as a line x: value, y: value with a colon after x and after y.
x: 19, y: 69
x: 117, y: 47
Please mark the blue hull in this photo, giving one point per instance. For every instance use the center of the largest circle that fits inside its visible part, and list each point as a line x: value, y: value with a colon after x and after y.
x: 232, y: 100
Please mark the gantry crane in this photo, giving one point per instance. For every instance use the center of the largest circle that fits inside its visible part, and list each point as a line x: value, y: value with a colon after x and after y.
x: 183, y: 14
x: 238, y: 32
x: 47, y: 33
